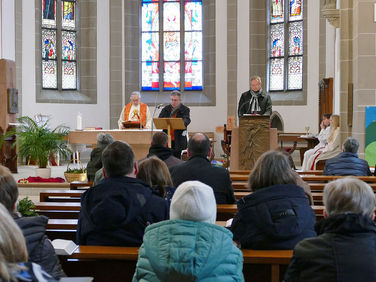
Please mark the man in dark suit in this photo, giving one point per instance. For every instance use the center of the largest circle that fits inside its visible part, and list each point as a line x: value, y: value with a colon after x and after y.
x: 177, y: 110
x: 198, y: 167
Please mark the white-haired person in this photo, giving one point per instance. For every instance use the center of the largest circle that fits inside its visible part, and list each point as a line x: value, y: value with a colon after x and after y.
x: 135, y: 111
x: 13, y: 253
x: 345, y: 247
x: 189, y: 246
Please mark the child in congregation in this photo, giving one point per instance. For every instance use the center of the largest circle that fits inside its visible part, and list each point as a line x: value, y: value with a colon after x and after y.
x: 155, y: 173
x: 345, y: 247
x: 277, y: 215
x: 189, y: 246
x: 332, y: 149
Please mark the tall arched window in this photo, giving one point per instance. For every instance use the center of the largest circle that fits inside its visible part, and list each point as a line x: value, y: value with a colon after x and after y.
x: 59, y: 44
x: 285, y: 57
x: 171, y: 45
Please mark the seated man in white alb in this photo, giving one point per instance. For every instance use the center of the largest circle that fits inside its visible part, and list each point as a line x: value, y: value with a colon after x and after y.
x: 135, y: 111
x: 323, y: 140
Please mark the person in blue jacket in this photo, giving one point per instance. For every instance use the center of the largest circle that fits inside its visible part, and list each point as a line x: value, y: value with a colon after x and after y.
x: 189, y: 246
x: 277, y: 215
x: 347, y: 162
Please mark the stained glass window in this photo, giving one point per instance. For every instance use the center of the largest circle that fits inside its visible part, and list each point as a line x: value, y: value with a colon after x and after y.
x: 59, y: 66
x: 181, y: 45
x: 285, y: 68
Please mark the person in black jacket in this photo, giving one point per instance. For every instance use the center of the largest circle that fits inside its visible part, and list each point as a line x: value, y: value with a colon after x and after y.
x: 198, y: 167
x: 255, y: 100
x: 277, y: 215
x: 38, y: 245
x: 177, y: 110
x: 345, y: 247
x: 347, y: 162
x: 95, y: 162
x: 117, y: 210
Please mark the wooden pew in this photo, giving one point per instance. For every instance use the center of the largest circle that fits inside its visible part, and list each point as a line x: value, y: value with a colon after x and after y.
x: 247, y: 172
x: 70, y: 224
x: 61, y: 195
x: 74, y: 185
x: 118, y: 263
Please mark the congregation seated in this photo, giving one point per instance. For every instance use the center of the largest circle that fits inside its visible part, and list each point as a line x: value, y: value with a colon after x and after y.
x: 331, y: 149
x: 344, y: 248
x: 277, y: 215
x: 323, y: 137
x: 159, y: 147
x: 117, y: 210
x: 198, y: 167
x: 189, y: 246
x: 154, y: 172
x: 14, y: 264
x: 347, y: 162
x: 38, y: 245
x: 95, y: 162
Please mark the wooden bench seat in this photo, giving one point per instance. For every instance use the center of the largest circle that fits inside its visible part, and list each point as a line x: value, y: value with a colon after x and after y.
x: 74, y: 185
x: 66, y: 195
x: 118, y: 263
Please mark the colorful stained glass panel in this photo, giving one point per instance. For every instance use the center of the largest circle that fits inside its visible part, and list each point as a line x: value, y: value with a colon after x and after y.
x: 150, y: 46
x: 171, y: 46
x: 277, y: 11
x: 193, y: 75
x: 69, y: 77
x: 193, y: 45
x: 150, y: 17
x: 193, y: 16
x: 48, y: 44
x: 295, y: 71
x: 171, y: 75
x: 49, y: 74
x: 171, y: 16
x: 296, y: 38
x: 49, y: 13
x: 276, y: 73
x: 68, y: 15
x: 296, y: 10
x: 150, y: 76
x: 277, y: 40
x: 68, y: 45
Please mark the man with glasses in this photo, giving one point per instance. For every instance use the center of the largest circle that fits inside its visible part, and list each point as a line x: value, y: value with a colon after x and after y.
x: 177, y: 110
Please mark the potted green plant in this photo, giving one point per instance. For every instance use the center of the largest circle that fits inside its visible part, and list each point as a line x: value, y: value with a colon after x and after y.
x: 37, y: 142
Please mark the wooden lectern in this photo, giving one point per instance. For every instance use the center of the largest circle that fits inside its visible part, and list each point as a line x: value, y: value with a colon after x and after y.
x: 254, y: 139
x: 169, y: 123
x: 8, y: 111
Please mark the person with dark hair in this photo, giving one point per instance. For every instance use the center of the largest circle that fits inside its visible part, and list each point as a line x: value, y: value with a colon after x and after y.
x: 277, y: 215
x: 95, y: 162
x: 117, y: 210
x: 154, y: 172
x: 177, y: 110
x: 344, y: 248
x: 38, y: 245
x: 198, y: 167
x: 347, y: 162
x: 159, y: 147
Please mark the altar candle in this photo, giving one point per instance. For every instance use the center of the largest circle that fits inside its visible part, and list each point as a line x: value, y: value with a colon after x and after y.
x: 79, y: 121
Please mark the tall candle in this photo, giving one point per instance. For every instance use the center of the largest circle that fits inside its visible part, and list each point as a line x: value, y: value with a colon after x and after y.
x: 79, y: 121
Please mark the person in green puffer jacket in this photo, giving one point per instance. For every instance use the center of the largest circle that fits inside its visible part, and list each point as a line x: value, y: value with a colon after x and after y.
x: 189, y: 246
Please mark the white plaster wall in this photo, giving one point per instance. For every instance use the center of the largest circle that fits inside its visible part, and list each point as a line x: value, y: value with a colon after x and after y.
x: 297, y: 117
x: 93, y: 114
x: 8, y: 36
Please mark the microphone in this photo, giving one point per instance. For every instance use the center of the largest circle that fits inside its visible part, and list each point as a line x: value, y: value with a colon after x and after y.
x: 159, y: 106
